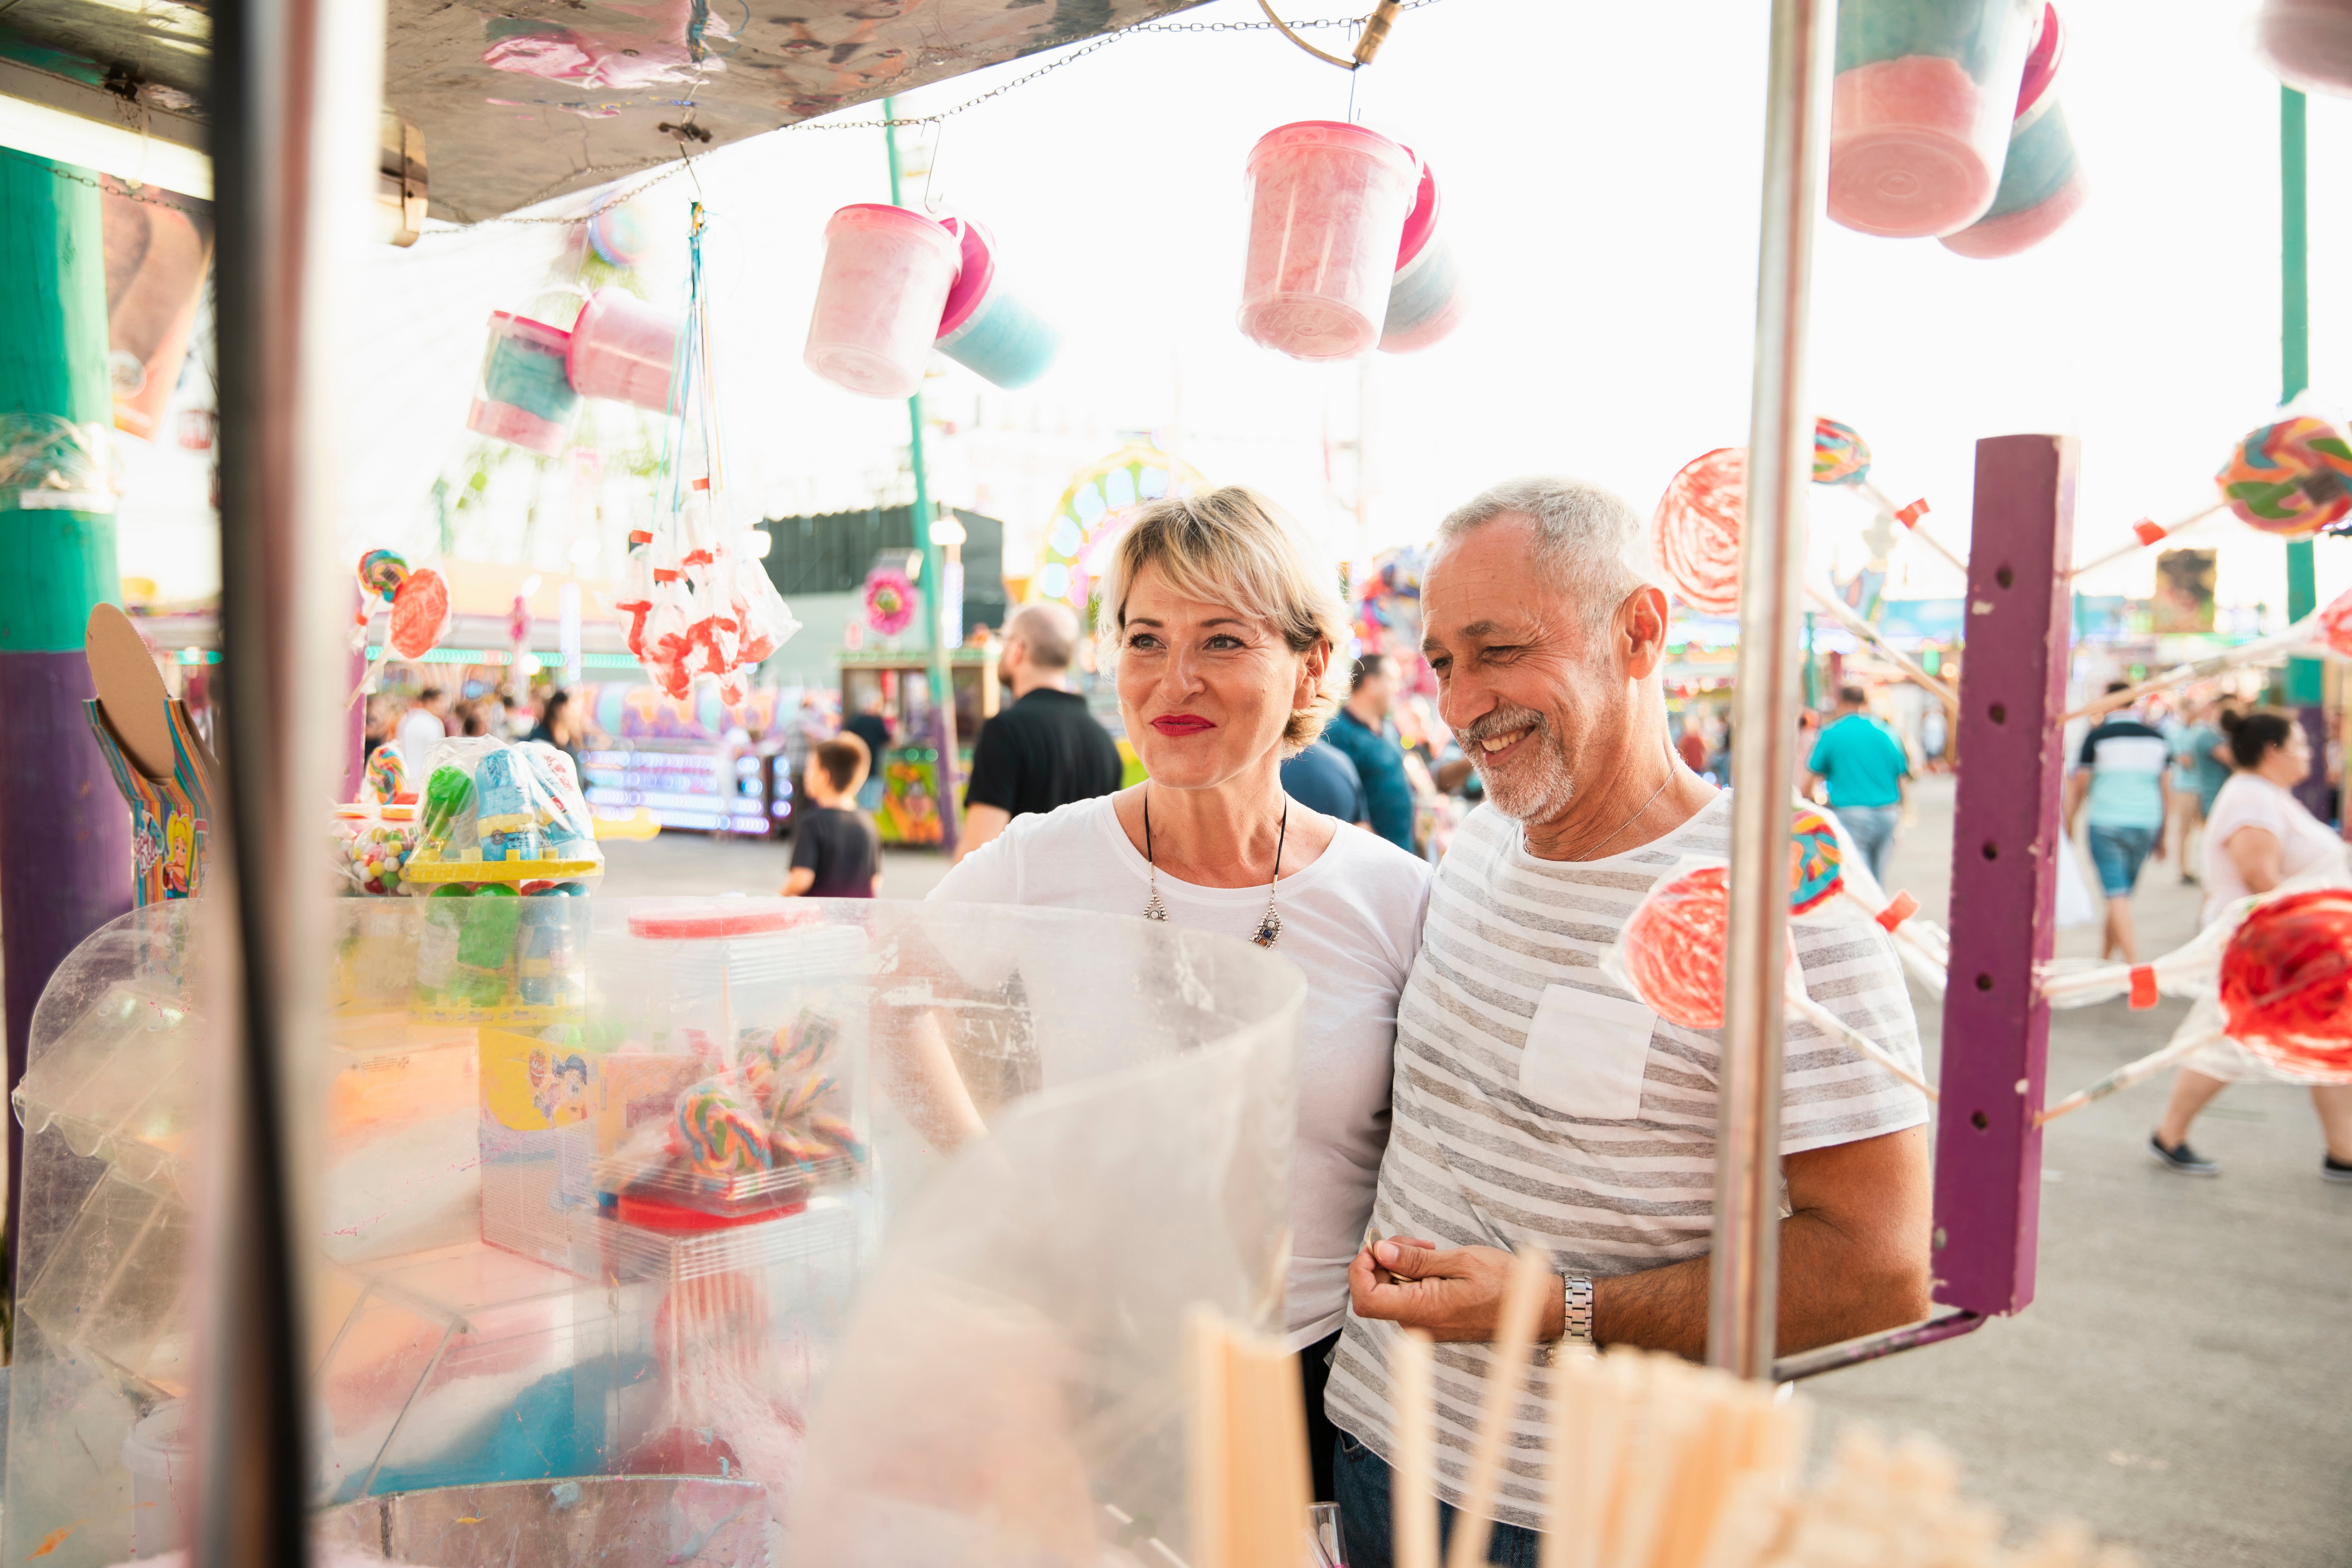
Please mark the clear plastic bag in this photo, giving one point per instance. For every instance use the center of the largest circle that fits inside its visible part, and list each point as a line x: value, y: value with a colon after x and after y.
x: 493, y: 813
x: 49, y: 463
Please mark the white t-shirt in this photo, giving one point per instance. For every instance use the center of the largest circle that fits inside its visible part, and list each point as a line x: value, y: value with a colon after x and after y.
x: 1350, y: 921
x: 2249, y: 800
x: 419, y: 729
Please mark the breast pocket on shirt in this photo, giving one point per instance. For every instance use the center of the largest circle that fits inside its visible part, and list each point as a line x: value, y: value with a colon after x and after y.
x: 1585, y: 1054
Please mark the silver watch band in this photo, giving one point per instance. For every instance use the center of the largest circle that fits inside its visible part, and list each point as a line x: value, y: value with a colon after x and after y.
x: 1576, y: 1315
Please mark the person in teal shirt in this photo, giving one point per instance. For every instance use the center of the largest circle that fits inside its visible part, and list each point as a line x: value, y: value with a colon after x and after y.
x: 1365, y: 732
x: 2118, y: 786
x: 1865, y: 767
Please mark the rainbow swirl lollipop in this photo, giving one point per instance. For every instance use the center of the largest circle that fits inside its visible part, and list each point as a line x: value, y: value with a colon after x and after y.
x: 1695, y: 532
x: 1816, y: 863
x: 381, y: 573
x: 1840, y: 457
x: 2289, y: 479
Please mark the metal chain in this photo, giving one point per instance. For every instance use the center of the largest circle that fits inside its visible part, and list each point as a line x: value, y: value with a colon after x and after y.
x: 685, y: 160
x: 128, y: 194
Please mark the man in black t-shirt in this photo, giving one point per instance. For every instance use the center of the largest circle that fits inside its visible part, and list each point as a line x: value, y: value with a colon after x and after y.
x: 1043, y: 750
x: 837, y: 853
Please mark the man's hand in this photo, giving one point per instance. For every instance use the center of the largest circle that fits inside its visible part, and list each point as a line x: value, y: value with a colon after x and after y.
x: 1450, y: 1295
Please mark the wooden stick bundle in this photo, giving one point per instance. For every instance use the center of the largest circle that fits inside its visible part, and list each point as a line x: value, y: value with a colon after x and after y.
x: 1248, y: 1484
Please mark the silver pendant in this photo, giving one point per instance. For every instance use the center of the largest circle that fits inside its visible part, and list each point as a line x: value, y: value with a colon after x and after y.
x: 1155, y: 910
x: 1269, y: 929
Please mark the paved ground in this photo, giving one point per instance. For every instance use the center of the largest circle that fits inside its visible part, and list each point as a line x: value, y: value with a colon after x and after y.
x: 2183, y: 1381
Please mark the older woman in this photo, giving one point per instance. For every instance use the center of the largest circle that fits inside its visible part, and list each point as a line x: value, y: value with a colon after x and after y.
x: 1224, y: 629
x: 2257, y: 836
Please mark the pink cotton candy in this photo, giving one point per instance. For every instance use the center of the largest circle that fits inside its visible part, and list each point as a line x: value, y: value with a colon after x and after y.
x: 1916, y: 146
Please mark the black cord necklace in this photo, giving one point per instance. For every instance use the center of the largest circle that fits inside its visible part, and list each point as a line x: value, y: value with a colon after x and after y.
x: 1269, y: 929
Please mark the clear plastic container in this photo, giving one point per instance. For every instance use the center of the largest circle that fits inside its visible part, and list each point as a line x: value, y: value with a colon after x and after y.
x: 987, y: 328
x: 880, y: 298
x: 624, y: 349
x: 1920, y: 110
x: 2041, y: 183
x: 1328, y: 206
x: 525, y: 393
x: 159, y: 1454
x: 1427, y: 295
x: 2306, y: 43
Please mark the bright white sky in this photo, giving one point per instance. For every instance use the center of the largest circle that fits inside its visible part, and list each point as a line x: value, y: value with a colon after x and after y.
x: 1603, y: 194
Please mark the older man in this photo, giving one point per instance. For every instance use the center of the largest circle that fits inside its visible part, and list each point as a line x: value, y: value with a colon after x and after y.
x: 1537, y: 1104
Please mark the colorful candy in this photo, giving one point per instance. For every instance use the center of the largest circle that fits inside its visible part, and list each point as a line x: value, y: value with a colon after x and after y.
x: 381, y: 573
x: 387, y: 773
x: 1695, y: 532
x: 1673, y: 947
x: 447, y: 795
x: 420, y: 613
x: 1816, y: 863
x: 722, y: 1135
x: 2289, y: 478
x: 2286, y: 983
x: 1839, y: 454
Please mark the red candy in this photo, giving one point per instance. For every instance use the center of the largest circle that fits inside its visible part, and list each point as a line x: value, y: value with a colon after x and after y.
x: 1673, y: 948
x: 2286, y: 983
x: 420, y: 613
x: 1696, y: 530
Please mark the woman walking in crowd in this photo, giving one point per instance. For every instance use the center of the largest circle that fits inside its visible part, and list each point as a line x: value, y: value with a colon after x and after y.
x: 2256, y: 836
x: 1224, y: 630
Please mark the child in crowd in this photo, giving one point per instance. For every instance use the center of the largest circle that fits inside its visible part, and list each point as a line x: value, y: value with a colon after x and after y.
x: 836, y: 854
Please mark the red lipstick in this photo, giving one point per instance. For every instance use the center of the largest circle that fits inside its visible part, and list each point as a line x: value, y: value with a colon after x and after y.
x: 1181, y: 724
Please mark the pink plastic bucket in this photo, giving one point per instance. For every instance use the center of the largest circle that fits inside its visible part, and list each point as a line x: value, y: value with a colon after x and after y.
x: 880, y: 298
x: 624, y: 349
x: 1920, y: 110
x: 2307, y: 43
x: 2041, y: 185
x: 1426, y: 296
x: 525, y: 391
x: 1327, y: 206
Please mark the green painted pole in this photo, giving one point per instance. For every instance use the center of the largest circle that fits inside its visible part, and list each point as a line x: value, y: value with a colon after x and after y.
x: 934, y: 576
x: 2304, y: 682
x: 64, y: 833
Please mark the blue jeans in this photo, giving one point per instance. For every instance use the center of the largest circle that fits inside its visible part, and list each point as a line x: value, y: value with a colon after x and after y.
x: 2118, y: 852
x: 1367, y: 1524
x: 1872, y: 828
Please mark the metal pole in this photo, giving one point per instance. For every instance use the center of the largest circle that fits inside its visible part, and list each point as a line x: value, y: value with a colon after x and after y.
x: 934, y: 583
x: 1745, y: 1272
x: 2305, y: 678
x: 294, y: 90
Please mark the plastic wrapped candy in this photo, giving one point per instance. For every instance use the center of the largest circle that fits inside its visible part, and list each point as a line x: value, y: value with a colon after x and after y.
x: 525, y: 393
x: 421, y: 615
x: 2041, y: 183
x: 1920, y: 110
x: 369, y: 852
x: 624, y: 349
x: 2285, y: 984
x: 1428, y: 295
x: 880, y: 298
x: 1695, y: 532
x: 2289, y: 478
x: 986, y: 327
x: 1328, y: 208
x: 492, y: 812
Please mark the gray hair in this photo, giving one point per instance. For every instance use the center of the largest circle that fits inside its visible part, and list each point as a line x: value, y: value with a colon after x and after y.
x: 1049, y: 630
x: 1587, y: 538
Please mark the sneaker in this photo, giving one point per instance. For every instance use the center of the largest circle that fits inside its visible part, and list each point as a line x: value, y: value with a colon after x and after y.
x: 2335, y: 1170
x: 2188, y: 1162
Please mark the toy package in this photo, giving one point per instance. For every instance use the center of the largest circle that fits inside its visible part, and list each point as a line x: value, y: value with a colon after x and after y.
x: 509, y: 814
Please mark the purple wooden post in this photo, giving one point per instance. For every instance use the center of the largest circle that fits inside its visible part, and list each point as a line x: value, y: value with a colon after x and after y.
x: 2005, y: 842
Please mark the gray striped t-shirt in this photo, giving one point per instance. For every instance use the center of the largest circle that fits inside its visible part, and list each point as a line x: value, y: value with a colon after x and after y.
x: 1535, y: 1102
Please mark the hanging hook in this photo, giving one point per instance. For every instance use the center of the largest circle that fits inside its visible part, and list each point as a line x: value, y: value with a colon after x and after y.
x: 1376, y: 32
x: 932, y: 167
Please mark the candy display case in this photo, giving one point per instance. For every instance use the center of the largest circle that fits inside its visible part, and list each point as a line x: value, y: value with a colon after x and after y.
x: 665, y: 1242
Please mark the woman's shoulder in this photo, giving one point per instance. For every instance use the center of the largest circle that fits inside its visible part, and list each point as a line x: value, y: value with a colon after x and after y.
x: 1365, y: 858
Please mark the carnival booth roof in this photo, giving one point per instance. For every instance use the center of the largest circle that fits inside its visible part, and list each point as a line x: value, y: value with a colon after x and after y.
x: 629, y: 84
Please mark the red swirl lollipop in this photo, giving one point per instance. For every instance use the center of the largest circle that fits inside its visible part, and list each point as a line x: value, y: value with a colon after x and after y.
x: 1696, y: 530
x: 1673, y: 947
x: 2286, y: 983
x: 420, y: 613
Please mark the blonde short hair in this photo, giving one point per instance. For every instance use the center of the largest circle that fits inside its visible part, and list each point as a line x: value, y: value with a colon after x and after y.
x: 1232, y: 546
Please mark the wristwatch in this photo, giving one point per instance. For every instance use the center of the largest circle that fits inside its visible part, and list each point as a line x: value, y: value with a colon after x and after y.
x: 1576, y: 1311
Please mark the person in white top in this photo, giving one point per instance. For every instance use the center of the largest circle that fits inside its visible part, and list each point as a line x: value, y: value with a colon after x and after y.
x: 1223, y: 628
x: 425, y: 722
x: 2256, y: 836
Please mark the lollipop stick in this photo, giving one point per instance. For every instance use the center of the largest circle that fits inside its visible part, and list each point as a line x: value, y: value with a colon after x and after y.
x: 2129, y: 1074
x: 1514, y: 1334
x: 1414, y: 1507
x: 1830, y: 1024
x: 1844, y: 617
x: 1885, y: 504
x: 2259, y: 651
x: 2147, y: 534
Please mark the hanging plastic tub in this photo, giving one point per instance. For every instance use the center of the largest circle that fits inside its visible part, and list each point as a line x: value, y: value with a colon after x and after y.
x: 986, y: 328
x: 624, y: 349
x: 1426, y: 296
x: 525, y: 393
x: 1328, y: 207
x: 2307, y: 43
x: 1920, y: 111
x: 2041, y: 183
x: 880, y: 299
